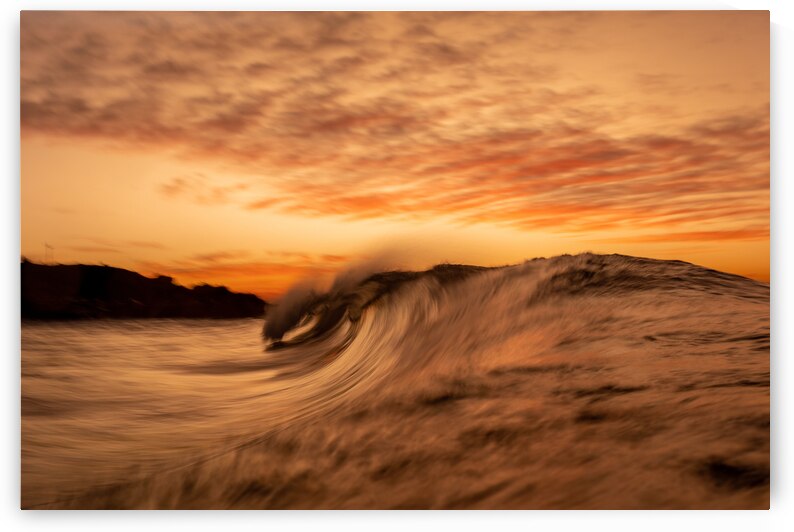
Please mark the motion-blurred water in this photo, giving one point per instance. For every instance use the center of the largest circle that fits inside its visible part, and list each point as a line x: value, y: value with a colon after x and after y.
x: 574, y: 382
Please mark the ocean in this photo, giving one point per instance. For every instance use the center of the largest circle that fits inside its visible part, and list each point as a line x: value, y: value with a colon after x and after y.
x: 583, y: 381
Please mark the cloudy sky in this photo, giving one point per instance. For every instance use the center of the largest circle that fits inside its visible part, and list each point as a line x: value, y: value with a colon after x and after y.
x: 255, y: 149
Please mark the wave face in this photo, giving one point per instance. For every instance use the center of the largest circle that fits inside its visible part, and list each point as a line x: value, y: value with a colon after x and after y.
x: 582, y: 381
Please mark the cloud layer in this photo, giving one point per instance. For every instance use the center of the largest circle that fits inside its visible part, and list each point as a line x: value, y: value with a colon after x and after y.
x: 647, y: 126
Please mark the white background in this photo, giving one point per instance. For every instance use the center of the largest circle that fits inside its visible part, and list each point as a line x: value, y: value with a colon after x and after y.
x: 781, y: 517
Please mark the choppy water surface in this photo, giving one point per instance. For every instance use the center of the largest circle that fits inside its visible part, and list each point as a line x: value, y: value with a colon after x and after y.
x: 574, y: 382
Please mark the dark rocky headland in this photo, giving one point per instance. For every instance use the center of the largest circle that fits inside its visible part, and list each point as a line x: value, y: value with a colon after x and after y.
x: 80, y: 291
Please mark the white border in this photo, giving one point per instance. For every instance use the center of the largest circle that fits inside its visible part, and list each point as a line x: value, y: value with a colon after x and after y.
x: 782, y: 271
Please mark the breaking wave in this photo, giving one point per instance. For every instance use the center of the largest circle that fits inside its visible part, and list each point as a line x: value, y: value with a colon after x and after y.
x: 583, y: 381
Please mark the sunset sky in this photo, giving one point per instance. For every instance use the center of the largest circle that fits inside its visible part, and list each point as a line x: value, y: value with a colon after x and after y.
x: 257, y: 149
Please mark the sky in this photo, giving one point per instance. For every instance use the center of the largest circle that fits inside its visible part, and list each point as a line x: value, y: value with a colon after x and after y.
x: 256, y: 150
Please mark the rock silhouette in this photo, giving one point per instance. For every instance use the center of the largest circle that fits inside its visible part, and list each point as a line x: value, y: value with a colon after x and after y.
x: 80, y: 291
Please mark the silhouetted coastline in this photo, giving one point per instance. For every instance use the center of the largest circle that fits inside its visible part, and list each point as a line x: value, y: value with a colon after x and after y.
x: 81, y: 291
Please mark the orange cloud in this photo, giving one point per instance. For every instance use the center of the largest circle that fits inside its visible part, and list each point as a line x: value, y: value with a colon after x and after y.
x: 739, y: 234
